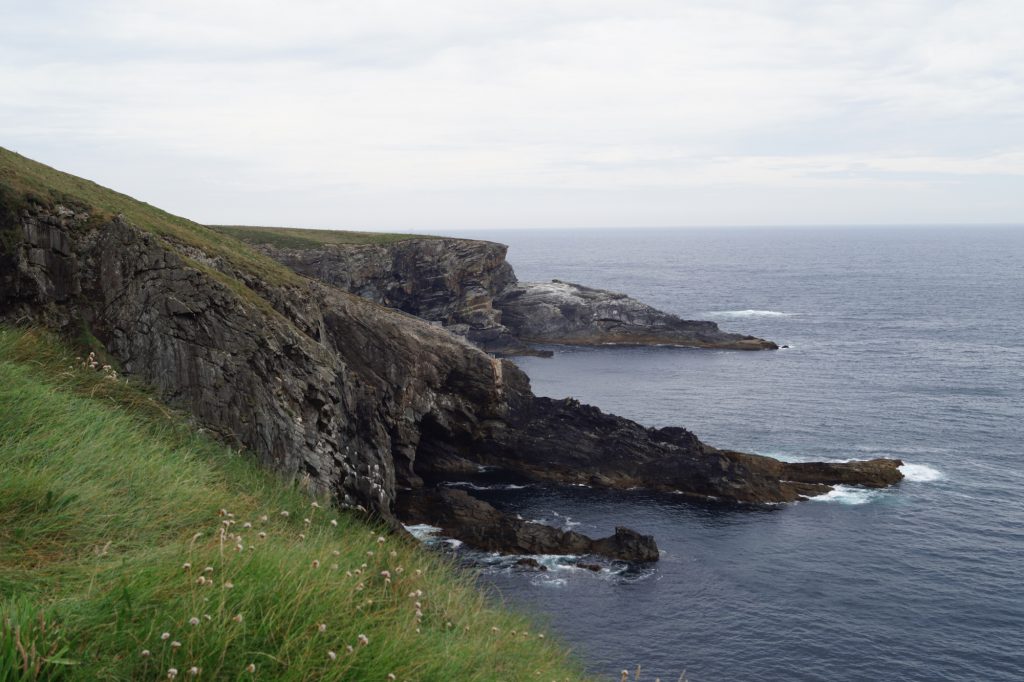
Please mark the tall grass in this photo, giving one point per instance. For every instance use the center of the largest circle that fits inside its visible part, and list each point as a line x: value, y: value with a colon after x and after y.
x: 133, y: 547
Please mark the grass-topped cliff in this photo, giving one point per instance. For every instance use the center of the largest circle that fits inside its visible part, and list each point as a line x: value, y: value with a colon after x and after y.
x: 132, y: 544
x: 298, y: 238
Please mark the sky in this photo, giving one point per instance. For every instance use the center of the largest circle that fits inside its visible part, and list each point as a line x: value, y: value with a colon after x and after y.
x: 413, y: 115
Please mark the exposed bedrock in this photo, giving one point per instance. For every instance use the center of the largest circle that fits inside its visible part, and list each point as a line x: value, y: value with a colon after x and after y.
x: 572, y: 314
x: 352, y: 398
x: 469, y: 287
x: 462, y: 516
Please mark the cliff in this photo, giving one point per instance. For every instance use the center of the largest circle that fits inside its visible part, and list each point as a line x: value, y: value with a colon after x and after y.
x: 468, y: 286
x: 356, y: 400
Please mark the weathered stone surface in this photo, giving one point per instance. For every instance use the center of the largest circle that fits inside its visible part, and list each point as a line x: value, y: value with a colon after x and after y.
x: 572, y: 314
x: 468, y: 286
x: 462, y: 516
x: 448, y: 281
x: 355, y: 399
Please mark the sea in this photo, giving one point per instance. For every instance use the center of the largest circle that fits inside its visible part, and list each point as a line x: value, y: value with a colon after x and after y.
x: 902, y: 342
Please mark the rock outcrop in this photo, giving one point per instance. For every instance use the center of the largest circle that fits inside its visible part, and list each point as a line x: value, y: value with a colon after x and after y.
x: 469, y: 287
x: 447, y: 281
x: 462, y: 516
x: 356, y: 400
x: 572, y: 314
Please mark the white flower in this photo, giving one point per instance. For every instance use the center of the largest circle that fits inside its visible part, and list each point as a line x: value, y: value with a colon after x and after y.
x: 284, y: 514
x: 331, y: 655
x: 336, y: 553
x: 208, y: 569
x: 186, y: 566
x: 228, y: 585
x: 237, y: 618
x: 251, y: 668
x: 175, y: 645
x: 315, y: 505
x: 193, y: 621
x: 306, y: 521
x: 391, y: 676
x: 165, y: 636
x: 386, y: 574
x: 172, y: 673
x: 334, y: 522
x: 380, y: 540
x: 322, y: 627
x: 145, y: 653
x: 262, y: 535
x: 193, y: 671
x: 263, y: 518
x: 363, y: 640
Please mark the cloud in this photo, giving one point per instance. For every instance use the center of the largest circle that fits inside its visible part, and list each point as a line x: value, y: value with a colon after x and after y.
x: 388, y: 113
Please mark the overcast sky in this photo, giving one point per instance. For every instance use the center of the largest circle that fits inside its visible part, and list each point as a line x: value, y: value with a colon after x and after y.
x: 555, y: 113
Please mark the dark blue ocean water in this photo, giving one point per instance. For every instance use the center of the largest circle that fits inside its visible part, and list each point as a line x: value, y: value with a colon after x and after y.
x: 905, y: 343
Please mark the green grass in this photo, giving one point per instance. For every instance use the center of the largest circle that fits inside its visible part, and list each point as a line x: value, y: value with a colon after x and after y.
x: 295, y: 238
x: 112, y: 508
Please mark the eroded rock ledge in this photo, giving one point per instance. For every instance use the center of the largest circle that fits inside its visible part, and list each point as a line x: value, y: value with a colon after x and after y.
x: 572, y: 314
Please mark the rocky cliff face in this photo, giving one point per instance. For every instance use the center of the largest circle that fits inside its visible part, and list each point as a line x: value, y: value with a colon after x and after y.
x: 357, y: 400
x: 448, y: 281
x: 468, y: 286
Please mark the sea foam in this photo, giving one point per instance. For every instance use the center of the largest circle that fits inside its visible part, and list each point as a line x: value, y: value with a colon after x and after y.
x: 920, y: 473
x: 748, y: 313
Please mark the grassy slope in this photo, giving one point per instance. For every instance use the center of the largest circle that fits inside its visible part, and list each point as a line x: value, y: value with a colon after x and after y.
x: 21, y: 178
x: 104, y: 497
x: 295, y: 238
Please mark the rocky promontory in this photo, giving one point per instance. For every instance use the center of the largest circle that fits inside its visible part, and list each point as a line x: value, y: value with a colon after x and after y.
x: 572, y: 314
x: 351, y: 399
x: 469, y: 287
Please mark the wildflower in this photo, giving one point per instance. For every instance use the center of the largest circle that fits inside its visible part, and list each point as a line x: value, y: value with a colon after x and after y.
x: 306, y: 521
x: 166, y: 636
x: 380, y: 540
x: 494, y: 628
x: 370, y: 553
x: 363, y: 640
x: 239, y: 547
x: 193, y: 671
x: 263, y: 518
x: 172, y: 673
x: 419, y: 572
x: 251, y: 668
x: 175, y: 645
x: 448, y: 624
x: 207, y: 616
x: 145, y: 653
x: 540, y: 635
x: 393, y: 554
x: 223, y: 512
x: 315, y: 505
x: 334, y: 567
x: 246, y: 525
x: 193, y: 621
x: 359, y: 587
x: 316, y: 563
x: 262, y: 535
x: 208, y: 569
x: 386, y: 574
x: 201, y: 580
x: 334, y: 522
x: 391, y: 676
x: 331, y: 655
x: 284, y: 514
x: 237, y: 618
x: 348, y: 648
x: 418, y: 605
x: 336, y: 552
x: 228, y: 585
x: 302, y: 536
x: 348, y: 574
x: 186, y: 566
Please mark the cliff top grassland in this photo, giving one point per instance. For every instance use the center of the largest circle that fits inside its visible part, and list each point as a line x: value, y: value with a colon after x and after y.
x: 134, y: 547
x: 23, y: 180
x: 298, y: 238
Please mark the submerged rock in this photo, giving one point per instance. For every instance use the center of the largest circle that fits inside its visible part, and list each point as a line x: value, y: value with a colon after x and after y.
x: 477, y: 523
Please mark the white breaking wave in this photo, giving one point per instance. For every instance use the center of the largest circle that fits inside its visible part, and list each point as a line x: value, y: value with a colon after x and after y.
x: 423, y: 531
x: 920, y: 473
x: 748, y: 313
x: 846, y: 494
x: 474, y: 486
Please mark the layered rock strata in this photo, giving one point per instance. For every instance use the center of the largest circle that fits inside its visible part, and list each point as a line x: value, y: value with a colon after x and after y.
x: 354, y: 399
x: 469, y: 287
